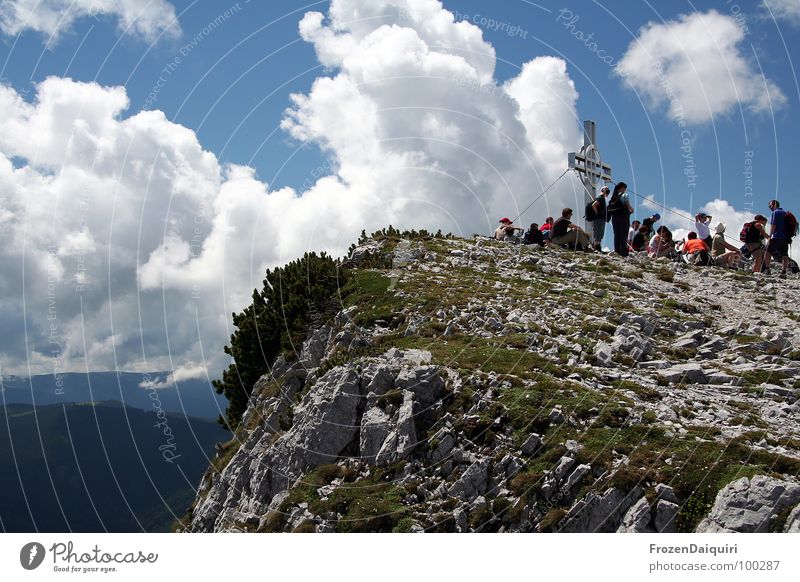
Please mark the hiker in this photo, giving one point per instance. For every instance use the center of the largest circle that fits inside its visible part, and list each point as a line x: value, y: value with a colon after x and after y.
x: 619, y: 213
x: 546, y: 227
x: 661, y: 244
x: 783, y: 226
x: 564, y: 232
x: 640, y: 240
x: 507, y: 230
x: 649, y: 222
x: 635, y: 226
x: 702, y: 229
x: 596, y: 214
x: 533, y: 236
x: 696, y: 251
x: 753, y: 236
x: 723, y: 252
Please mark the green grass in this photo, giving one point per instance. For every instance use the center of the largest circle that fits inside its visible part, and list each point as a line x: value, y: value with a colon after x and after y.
x: 373, y: 504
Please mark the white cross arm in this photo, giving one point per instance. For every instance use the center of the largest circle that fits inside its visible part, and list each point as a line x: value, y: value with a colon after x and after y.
x: 590, y: 167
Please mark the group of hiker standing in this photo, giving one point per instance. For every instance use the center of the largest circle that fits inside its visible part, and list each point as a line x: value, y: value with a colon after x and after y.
x: 700, y: 247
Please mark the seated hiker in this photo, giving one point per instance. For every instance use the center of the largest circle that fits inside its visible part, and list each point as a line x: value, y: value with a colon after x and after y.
x: 533, y: 236
x: 565, y: 233
x: 639, y: 242
x: 635, y: 226
x: 662, y: 243
x: 507, y: 231
x: 723, y: 253
x: 696, y: 251
x: 753, y: 236
x: 547, y: 227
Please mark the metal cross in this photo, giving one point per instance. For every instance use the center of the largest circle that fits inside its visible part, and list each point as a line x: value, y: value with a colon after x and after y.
x: 588, y: 163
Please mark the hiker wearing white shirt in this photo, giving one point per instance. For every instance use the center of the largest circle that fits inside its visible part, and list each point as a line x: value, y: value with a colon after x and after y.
x: 635, y: 225
x: 662, y: 244
x: 701, y: 221
x: 507, y: 231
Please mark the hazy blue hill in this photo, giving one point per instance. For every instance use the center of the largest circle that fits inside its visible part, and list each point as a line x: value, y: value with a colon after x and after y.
x: 98, y: 467
x: 191, y: 397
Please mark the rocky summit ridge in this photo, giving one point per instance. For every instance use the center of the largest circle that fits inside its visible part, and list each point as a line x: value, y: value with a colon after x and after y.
x: 474, y: 385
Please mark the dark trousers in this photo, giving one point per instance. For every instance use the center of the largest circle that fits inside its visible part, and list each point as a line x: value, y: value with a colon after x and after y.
x: 621, y: 223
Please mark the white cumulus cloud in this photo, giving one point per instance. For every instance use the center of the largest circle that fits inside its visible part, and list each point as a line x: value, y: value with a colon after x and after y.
x: 137, y: 244
x: 788, y: 10
x: 145, y: 18
x: 697, y: 67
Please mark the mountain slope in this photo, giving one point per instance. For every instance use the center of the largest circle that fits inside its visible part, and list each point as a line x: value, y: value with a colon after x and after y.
x: 190, y: 397
x: 470, y: 385
x: 98, y: 467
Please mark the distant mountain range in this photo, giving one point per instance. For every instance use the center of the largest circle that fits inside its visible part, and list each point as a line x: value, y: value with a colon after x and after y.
x: 98, y: 467
x: 191, y: 397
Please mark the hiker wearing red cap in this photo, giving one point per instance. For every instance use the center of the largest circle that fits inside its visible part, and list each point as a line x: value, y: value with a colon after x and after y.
x: 506, y: 230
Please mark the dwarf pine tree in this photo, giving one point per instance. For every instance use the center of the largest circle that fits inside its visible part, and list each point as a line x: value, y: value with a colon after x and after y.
x: 276, y: 322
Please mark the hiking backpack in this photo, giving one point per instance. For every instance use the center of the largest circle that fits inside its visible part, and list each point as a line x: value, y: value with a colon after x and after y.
x: 589, y: 212
x: 614, y: 207
x: 749, y: 233
x: 790, y: 225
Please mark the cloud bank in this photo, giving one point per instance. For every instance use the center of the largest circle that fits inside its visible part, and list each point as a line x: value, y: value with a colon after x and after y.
x: 144, y: 18
x: 697, y: 67
x: 126, y: 245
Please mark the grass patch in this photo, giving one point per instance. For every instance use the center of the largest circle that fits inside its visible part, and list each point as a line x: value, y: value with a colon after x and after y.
x: 373, y: 504
x: 644, y: 392
x: 665, y: 275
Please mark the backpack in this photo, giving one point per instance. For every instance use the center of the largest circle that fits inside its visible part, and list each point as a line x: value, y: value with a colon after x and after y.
x: 615, y: 206
x: 790, y: 225
x: 750, y: 233
x: 589, y: 213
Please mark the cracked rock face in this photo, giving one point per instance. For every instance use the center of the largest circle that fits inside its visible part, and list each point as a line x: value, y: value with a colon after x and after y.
x: 750, y: 505
x: 334, y: 419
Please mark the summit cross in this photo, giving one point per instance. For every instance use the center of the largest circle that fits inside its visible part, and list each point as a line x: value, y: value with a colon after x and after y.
x: 588, y: 163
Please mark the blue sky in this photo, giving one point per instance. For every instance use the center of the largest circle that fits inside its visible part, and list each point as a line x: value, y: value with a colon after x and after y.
x: 156, y: 156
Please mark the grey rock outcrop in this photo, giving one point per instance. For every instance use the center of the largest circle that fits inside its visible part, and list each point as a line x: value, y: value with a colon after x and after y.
x: 637, y: 519
x: 599, y: 513
x: 332, y: 421
x: 793, y: 521
x: 472, y: 483
x: 749, y: 505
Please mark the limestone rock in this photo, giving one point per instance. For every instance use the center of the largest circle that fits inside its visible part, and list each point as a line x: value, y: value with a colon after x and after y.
x: 374, y: 430
x: 692, y: 373
x: 472, y: 483
x: 749, y: 505
x: 531, y: 444
x: 666, y: 512
x: 637, y: 519
x: 599, y: 513
x: 793, y: 521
